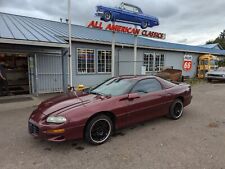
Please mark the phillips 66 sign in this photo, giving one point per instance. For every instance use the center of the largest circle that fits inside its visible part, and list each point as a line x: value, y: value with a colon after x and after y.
x: 187, y: 64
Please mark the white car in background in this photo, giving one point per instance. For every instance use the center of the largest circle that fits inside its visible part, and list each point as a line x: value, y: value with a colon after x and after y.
x: 218, y: 74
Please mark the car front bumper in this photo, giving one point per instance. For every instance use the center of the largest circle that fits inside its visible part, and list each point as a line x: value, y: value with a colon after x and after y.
x: 54, y: 133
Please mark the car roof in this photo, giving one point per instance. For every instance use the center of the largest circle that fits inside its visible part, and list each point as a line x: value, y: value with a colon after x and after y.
x: 136, y: 77
x: 131, y: 5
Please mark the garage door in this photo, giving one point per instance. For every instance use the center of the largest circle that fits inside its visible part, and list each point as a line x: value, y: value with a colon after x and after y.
x: 49, y: 73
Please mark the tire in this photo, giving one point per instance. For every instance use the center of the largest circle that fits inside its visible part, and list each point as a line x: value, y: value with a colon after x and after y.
x: 209, y: 80
x: 98, y: 130
x: 176, y: 109
x: 107, y: 16
x: 144, y: 24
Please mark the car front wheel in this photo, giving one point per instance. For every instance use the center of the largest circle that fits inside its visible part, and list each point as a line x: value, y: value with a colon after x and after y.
x: 107, y: 16
x: 98, y: 130
x: 176, y: 109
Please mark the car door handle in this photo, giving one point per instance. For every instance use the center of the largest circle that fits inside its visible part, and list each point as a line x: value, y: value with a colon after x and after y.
x: 133, y: 96
x: 168, y: 94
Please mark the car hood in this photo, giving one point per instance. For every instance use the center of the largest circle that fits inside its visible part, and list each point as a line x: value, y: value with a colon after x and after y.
x: 65, y: 102
x: 216, y: 72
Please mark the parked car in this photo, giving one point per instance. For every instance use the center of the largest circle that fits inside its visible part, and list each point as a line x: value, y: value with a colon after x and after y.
x: 218, y: 74
x: 171, y: 74
x: 116, y: 103
x: 126, y: 13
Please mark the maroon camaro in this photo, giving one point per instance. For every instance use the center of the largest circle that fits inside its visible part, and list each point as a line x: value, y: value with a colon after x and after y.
x: 114, y: 104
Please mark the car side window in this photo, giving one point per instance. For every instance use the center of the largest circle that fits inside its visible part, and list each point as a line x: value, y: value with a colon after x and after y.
x: 136, y: 10
x: 147, y: 86
x: 128, y: 8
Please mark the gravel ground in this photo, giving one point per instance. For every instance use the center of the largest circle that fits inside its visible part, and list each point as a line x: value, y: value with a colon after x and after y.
x: 196, y: 141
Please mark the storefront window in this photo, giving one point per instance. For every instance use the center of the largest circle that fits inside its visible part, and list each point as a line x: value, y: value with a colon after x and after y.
x: 86, y: 61
x: 148, y: 61
x: 162, y: 62
x: 157, y: 60
x: 104, y: 61
x: 151, y: 59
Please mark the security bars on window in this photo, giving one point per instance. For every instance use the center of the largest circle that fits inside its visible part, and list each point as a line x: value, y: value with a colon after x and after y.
x: 86, y: 60
x: 104, y: 61
x: 154, y: 62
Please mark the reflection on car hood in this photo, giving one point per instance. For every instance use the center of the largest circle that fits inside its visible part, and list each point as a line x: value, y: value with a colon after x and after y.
x: 65, y: 102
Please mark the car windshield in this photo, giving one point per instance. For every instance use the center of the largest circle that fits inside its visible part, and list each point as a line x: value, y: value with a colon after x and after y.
x: 114, y: 87
x: 221, y: 69
x: 213, y: 62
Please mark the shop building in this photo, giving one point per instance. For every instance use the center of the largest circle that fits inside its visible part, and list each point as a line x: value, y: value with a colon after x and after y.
x: 35, y: 53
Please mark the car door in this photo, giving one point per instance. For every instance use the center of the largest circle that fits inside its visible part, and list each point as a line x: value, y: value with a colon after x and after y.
x: 150, y: 102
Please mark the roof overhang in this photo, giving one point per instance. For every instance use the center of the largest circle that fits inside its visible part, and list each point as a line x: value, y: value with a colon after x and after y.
x: 33, y: 43
x: 143, y: 47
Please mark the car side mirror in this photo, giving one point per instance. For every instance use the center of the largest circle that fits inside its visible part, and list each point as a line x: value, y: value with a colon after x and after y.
x: 133, y: 96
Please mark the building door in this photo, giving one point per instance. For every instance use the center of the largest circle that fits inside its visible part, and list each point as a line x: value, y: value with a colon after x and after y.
x: 48, y: 73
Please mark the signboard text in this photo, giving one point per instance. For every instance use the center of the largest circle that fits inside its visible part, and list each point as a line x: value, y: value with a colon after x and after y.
x: 126, y: 29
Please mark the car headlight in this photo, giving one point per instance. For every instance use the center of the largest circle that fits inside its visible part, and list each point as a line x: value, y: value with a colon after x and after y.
x: 56, y: 119
x: 224, y: 75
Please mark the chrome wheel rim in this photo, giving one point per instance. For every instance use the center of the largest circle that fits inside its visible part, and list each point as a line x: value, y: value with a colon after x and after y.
x: 178, y: 109
x: 107, y: 16
x: 100, y: 131
x: 145, y: 24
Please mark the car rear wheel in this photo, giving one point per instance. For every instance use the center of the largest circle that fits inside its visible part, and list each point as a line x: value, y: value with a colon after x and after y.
x: 98, y: 130
x: 176, y: 109
x: 107, y: 16
x: 144, y: 25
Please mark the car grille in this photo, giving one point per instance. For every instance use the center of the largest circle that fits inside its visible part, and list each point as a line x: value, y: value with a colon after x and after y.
x: 33, y: 129
x: 215, y: 75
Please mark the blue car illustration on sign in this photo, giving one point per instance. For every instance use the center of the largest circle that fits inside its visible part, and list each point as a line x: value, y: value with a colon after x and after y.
x: 127, y: 13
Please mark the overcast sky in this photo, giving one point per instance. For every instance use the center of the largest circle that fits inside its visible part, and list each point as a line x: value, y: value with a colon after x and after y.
x: 184, y: 21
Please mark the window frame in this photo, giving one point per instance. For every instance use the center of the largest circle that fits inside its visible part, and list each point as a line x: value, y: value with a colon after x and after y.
x: 160, y: 65
x: 105, y: 62
x: 160, y: 61
x: 84, y: 73
x: 157, y: 62
x: 148, y: 64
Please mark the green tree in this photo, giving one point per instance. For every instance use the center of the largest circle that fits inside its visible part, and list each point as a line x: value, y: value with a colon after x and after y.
x: 221, y: 63
x: 220, y: 39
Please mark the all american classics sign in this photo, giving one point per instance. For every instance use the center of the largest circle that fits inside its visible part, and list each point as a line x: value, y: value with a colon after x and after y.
x: 126, y: 29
